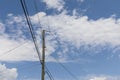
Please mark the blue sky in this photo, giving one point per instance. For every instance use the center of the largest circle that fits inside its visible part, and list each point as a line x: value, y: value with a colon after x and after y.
x: 87, y: 33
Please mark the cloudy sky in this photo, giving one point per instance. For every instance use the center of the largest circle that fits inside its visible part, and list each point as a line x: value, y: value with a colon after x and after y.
x: 82, y: 39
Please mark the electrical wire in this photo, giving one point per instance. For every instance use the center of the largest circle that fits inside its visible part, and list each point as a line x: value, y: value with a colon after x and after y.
x: 36, y: 9
x: 7, y: 52
x: 49, y: 74
x: 30, y: 27
x: 34, y: 40
x: 58, y: 41
x: 31, y: 30
x: 64, y: 67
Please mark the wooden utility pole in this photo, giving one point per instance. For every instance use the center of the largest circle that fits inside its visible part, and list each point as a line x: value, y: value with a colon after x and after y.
x: 43, y: 55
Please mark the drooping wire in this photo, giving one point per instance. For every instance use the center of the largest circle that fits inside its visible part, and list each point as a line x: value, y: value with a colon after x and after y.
x: 35, y: 43
x: 61, y: 64
x: 49, y: 73
x: 65, y: 68
x: 58, y: 41
x: 30, y: 27
x: 32, y: 33
x: 7, y: 52
x: 36, y: 9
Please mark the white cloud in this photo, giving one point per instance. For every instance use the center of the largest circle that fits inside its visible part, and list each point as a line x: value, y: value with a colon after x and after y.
x: 104, y: 77
x: 24, y: 52
x: 98, y: 78
x: 8, y: 74
x: 55, y: 4
x: 74, y: 30
x: 79, y: 30
x: 17, y: 36
x: 13, y: 38
x: 81, y: 0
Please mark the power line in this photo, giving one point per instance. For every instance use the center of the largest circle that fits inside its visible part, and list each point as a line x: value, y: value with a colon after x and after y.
x: 58, y: 41
x: 34, y: 65
x: 65, y: 68
x: 47, y: 71
x: 31, y: 29
x: 7, y: 52
x: 33, y: 36
x: 49, y: 74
